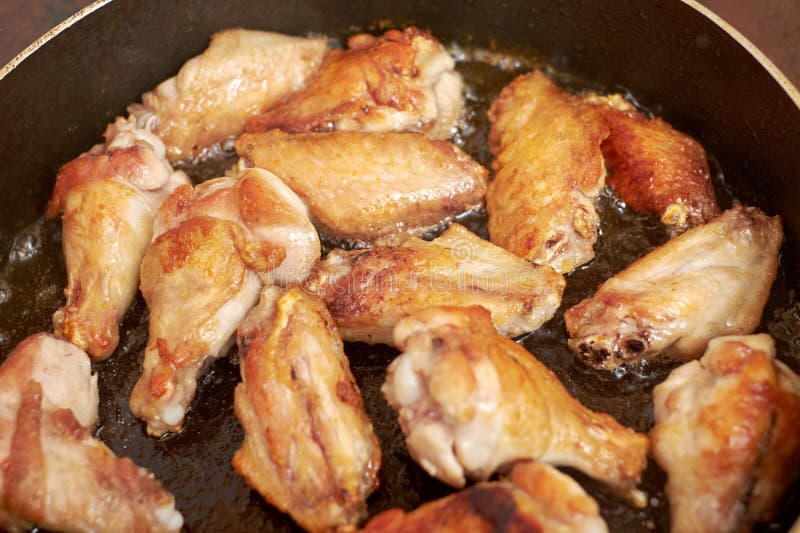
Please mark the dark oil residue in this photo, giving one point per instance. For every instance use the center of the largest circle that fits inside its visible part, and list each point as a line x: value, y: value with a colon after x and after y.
x: 195, y: 463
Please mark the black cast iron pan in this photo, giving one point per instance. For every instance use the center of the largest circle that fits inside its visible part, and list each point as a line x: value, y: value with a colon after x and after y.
x: 58, y: 96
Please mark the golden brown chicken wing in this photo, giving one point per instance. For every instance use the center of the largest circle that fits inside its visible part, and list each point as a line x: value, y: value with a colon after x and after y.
x: 214, y: 247
x: 109, y: 197
x: 654, y: 168
x: 726, y: 434
x: 241, y: 74
x: 54, y: 474
x: 371, y: 188
x: 549, y: 172
x: 400, y: 81
x: 536, y: 497
x: 369, y: 291
x: 780, y: 465
x: 309, y: 447
x: 712, y: 280
x: 471, y: 401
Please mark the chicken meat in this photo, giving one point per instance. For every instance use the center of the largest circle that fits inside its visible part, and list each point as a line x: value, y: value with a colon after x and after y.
x: 709, y: 281
x: 214, y: 247
x: 726, y: 434
x: 549, y: 173
x: 309, y: 447
x: 108, y: 199
x: 400, y: 81
x: 654, y: 168
x: 241, y: 74
x: 55, y: 475
x: 471, y: 402
x: 369, y: 291
x: 371, y: 188
x: 535, y: 497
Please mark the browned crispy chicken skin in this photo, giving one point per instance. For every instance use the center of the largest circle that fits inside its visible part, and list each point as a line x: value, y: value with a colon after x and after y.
x: 371, y: 188
x: 369, y: 291
x: 400, y: 81
x: 711, y: 280
x: 241, y: 74
x: 309, y: 447
x: 535, y: 498
x: 108, y: 197
x: 654, y: 168
x: 214, y: 247
x: 471, y: 401
x: 726, y: 434
x: 549, y: 173
x: 54, y: 474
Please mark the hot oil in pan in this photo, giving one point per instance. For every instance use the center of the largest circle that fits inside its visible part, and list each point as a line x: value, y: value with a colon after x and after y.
x: 195, y: 464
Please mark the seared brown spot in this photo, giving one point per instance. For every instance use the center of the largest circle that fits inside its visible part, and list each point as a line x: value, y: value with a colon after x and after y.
x: 347, y: 392
x: 497, y: 505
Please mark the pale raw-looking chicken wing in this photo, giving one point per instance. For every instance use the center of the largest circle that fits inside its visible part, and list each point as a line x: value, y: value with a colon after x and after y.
x: 535, y: 498
x: 471, y: 402
x: 709, y: 281
x: 369, y: 291
x: 371, y: 188
x: 726, y: 434
x: 54, y: 474
x: 655, y: 168
x: 108, y: 197
x: 214, y: 247
x: 241, y: 74
x: 400, y: 81
x: 549, y: 173
x: 309, y: 447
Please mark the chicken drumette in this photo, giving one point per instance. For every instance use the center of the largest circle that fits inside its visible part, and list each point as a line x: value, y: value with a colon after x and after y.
x: 215, y: 246
x: 109, y: 198
x: 471, y: 402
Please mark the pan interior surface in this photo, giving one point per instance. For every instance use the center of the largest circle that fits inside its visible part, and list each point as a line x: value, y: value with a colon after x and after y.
x: 56, y: 103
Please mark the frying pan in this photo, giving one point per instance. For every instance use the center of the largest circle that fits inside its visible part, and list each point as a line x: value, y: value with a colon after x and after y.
x: 676, y: 58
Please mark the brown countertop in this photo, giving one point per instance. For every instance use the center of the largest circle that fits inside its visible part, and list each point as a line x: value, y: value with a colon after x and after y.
x: 772, y: 25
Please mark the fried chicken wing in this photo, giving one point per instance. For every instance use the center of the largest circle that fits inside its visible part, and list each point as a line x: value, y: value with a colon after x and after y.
x: 54, y: 474
x: 214, y: 247
x: 536, y: 497
x: 726, y: 434
x: 108, y: 197
x: 549, y: 173
x: 654, y: 168
x: 371, y: 188
x: 780, y: 465
x: 471, y: 401
x: 369, y: 291
x: 309, y: 447
x: 712, y: 280
x: 241, y: 74
x: 400, y: 81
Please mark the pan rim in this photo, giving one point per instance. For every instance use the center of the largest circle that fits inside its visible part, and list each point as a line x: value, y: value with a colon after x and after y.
x: 751, y: 48
x: 49, y: 35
